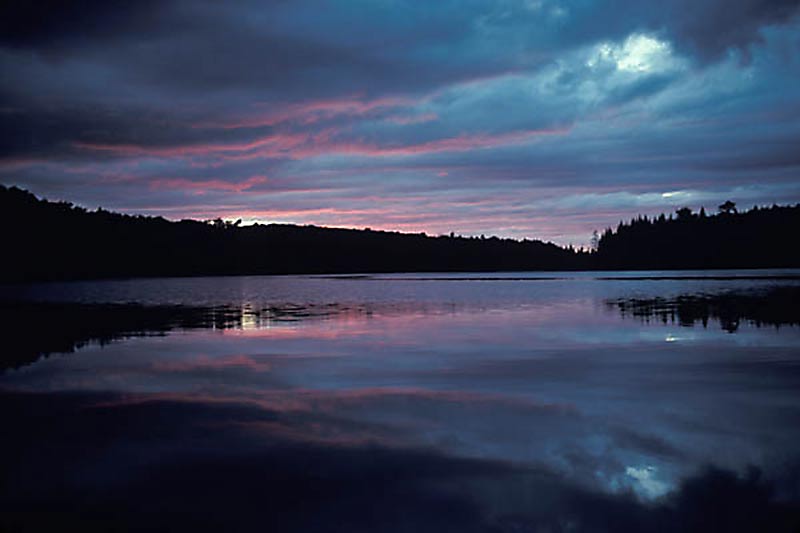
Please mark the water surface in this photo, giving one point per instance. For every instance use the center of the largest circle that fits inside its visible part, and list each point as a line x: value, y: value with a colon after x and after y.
x: 472, y: 402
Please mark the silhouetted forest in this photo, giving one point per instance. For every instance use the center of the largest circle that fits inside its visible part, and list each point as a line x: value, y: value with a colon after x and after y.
x: 759, y: 238
x: 46, y: 240
x: 57, y: 240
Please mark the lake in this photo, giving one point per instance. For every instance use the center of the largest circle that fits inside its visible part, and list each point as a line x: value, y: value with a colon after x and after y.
x: 599, y: 401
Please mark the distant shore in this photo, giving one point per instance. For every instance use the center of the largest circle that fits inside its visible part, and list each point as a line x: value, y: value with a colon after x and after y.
x: 59, y: 241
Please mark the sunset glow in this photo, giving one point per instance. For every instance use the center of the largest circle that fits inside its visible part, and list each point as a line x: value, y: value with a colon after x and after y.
x: 524, y: 119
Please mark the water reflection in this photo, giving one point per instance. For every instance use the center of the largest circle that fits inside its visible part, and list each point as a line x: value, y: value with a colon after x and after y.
x: 775, y: 306
x: 511, y: 406
x: 31, y: 330
x: 93, y: 462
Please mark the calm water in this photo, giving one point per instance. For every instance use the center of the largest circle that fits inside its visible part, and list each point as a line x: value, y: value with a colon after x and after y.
x: 568, y: 401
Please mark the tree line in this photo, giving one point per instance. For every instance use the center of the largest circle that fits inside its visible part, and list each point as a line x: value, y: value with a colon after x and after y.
x: 58, y: 240
x: 45, y: 240
x: 761, y: 237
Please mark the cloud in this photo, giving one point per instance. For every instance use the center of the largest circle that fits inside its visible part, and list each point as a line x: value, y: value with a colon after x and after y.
x: 157, y: 101
x: 53, y: 25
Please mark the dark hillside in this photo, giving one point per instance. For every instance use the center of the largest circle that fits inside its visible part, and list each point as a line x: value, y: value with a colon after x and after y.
x: 57, y: 240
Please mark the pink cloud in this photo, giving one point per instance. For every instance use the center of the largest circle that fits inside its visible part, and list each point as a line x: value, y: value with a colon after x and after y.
x: 301, y: 145
x: 461, y: 143
x: 276, y: 143
x: 309, y: 112
x: 413, y: 119
x: 20, y: 162
x: 201, y: 187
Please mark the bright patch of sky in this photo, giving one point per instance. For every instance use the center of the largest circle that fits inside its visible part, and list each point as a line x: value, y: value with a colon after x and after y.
x: 638, y: 53
x: 646, y: 481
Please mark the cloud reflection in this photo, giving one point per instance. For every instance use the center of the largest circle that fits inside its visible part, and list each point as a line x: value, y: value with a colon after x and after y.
x: 202, y: 466
x: 508, y: 405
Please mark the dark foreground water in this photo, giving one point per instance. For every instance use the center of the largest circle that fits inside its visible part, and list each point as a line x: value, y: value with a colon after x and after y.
x: 648, y: 401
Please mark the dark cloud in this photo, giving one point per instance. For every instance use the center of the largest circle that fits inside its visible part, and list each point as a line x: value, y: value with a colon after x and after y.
x: 53, y: 26
x: 193, y: 48
x: 469, y: 97
x: 705, y: 30
x: 711, y: 28
x: 31, y: 130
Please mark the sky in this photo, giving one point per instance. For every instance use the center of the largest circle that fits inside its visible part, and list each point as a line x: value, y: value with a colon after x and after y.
x: 521, y: 118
